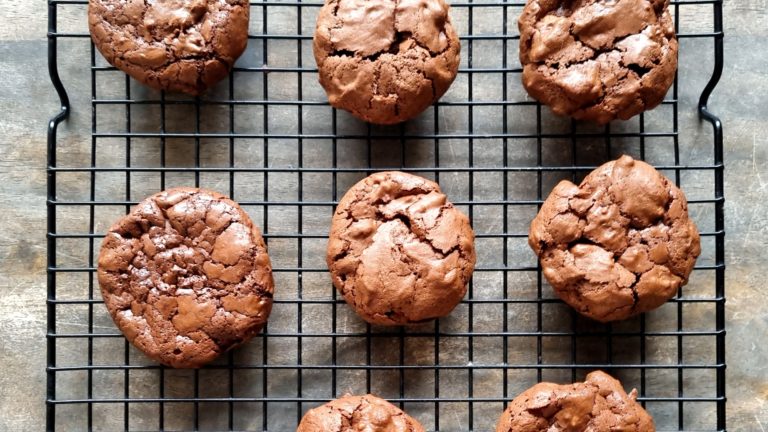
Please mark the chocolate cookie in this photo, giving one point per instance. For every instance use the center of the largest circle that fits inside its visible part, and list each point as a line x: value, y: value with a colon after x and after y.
x: 617, y: 245
x: 599, y: 404
x: 175, y: 45
x: 186, y: 276
x: 385, y: 61
x: 598, y: 60
x: 398, y: 251
x: 358, y: 413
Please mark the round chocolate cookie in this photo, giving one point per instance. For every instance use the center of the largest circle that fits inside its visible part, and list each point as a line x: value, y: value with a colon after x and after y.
x: 598, y: 60
x: 175, y: 45
x: 599, y: 404
x: 617, y: 245
x: 186, y: 276
x: 398, y: 251
x: 385, y: 61
x: 358, y: 413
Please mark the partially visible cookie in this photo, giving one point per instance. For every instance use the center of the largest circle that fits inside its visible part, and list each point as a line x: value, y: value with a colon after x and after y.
x: 619, y: 244
x: 598, y: 404
x: 385, y: 61
x: 398, y: 251
x: 357, y: 414
x: 175, y: 45
x: 186, y: 276
x: 598, y: 60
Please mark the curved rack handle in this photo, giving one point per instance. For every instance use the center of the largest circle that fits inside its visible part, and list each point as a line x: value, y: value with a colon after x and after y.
x: 717, y: 72
x: 53, y: 72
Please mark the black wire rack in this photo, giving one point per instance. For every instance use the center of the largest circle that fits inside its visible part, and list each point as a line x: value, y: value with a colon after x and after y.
x: 268, y: 138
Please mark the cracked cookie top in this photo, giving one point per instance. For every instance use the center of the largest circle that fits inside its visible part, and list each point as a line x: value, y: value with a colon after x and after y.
x: 186, y: 276
x: 175, y: 45
x: 358, y: 413
x: 598, y: 60
x: 385, y: 61
x: 598, y: 404
x: 398, y: 251
x: 617, y: 245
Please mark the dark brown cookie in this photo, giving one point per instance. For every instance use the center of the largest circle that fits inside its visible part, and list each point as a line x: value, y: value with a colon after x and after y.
x: 598, y: 60
x: 617, y: 245
x: 358, y: 413
x: 599, y: 404
x: 175, y: 45
x: 398, y: 251
x: 385, y: 61
x: 186, y: 276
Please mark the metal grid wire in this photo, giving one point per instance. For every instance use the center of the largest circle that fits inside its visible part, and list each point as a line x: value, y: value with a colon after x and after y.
x: 267, y: 138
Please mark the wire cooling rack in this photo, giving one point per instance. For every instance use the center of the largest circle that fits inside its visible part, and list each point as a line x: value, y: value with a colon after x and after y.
x: 268, y: 138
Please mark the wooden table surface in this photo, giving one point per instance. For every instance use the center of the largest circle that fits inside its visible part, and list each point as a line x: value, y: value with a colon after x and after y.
x: 27, y: 100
